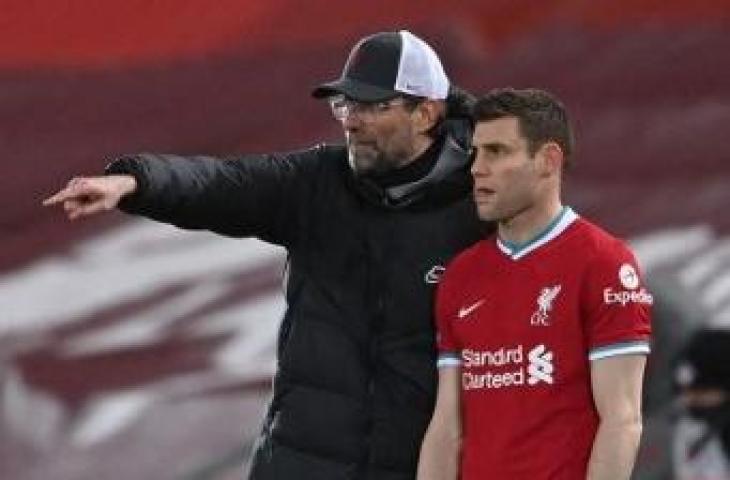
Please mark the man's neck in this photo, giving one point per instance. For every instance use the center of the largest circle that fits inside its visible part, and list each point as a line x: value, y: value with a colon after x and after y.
x: 530, y: 223
x: 422, y: 144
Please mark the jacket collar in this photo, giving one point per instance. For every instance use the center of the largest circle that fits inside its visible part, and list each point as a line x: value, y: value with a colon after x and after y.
x: 449, y: 177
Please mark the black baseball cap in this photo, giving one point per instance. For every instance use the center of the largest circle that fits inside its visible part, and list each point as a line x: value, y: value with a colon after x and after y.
x: 388, y: 64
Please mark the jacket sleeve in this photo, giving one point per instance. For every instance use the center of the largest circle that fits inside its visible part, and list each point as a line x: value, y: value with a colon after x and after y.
x: 252, y: 195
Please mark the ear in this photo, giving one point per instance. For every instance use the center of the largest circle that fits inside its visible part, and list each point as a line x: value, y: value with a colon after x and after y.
x: 550, y: 159
x: 427, y: 114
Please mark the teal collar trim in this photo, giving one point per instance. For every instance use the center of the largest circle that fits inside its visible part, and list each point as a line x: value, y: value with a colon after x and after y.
x: 557, y: 226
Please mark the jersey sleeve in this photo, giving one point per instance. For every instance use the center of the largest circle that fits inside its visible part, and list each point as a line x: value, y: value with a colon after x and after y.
x: 617, y: 305
x: 448, y: 348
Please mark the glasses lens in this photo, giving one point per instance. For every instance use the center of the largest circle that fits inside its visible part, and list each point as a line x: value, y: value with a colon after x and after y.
x: 340, y: 106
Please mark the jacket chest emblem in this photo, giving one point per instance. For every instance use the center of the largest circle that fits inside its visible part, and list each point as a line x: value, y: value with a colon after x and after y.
x: 434, y: 275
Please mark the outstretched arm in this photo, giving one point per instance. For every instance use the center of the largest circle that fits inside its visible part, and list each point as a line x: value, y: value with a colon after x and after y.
x: 441, y: 447
x: 253, y: 195
x: 616, y: 383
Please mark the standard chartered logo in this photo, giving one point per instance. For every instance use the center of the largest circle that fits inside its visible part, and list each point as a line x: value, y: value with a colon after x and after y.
x: 506, y: 367
x: 541, y: 367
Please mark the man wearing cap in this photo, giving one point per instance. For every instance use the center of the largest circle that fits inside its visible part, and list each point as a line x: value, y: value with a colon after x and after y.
x: 368, y: 227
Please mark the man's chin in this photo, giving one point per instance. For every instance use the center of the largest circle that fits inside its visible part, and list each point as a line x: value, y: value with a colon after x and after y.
x: 487, y: 214
x: 363, y: 164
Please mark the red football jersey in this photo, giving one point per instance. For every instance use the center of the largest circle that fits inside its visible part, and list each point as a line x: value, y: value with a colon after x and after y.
x: 523, y: 324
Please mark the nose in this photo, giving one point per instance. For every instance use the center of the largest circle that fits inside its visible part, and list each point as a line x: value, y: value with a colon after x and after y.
x: 479, y: 167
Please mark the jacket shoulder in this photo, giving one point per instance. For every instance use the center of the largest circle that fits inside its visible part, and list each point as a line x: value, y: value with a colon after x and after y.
x: 319, y: 157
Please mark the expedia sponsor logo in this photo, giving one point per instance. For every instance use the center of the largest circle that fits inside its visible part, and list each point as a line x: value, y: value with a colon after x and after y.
x: 506, y: 367
x: 628, y: 277
x: 623, y: 297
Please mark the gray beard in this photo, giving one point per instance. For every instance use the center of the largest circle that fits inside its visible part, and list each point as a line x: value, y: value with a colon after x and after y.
x: 375, y: 165
x: 378, y: 164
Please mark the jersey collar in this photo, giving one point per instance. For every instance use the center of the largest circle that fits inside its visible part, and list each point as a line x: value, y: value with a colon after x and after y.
x: 559, y: 224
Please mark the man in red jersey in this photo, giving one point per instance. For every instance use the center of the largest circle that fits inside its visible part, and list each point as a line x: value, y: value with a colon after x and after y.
x: 544, y: 328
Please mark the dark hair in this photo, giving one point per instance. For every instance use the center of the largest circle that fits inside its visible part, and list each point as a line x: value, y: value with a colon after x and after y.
x: 541, y: 117
x: 459, y: 105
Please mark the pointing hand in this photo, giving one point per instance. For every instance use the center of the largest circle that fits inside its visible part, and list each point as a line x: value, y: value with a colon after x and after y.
x: 84, y: 196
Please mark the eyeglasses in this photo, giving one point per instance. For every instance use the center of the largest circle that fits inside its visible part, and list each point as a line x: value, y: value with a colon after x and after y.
x: 342, y: 107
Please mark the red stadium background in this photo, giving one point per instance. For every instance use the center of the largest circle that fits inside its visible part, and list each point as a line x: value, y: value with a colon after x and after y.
x: 133, y: 350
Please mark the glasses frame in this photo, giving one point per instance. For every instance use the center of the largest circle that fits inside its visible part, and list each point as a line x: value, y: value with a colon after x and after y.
x: 343, y: 107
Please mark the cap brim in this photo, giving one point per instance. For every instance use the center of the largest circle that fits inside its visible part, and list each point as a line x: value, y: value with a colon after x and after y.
x: 355, y: 90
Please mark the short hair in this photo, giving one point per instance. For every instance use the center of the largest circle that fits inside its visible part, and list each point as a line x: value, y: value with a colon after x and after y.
x: 459, y: 106
x: 541, y: 117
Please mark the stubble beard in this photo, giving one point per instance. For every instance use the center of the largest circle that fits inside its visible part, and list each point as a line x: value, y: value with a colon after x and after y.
x: 364, y: 160
x: 369, y: 160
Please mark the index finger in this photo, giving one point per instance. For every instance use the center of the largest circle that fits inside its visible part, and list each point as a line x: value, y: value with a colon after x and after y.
x: 59, y: 197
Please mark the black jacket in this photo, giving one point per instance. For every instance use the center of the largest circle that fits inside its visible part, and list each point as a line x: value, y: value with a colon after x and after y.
x: 355, y: 384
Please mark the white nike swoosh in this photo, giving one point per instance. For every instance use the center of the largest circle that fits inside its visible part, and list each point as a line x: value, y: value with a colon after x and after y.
x: 464, y: 311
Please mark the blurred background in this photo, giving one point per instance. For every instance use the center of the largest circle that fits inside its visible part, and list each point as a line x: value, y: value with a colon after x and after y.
x: 132, y: 350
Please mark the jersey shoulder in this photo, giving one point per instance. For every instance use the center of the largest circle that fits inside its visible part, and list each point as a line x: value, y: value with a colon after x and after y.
x: 600, y: 245
x: 608, y: 260
x: 472, y: 257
